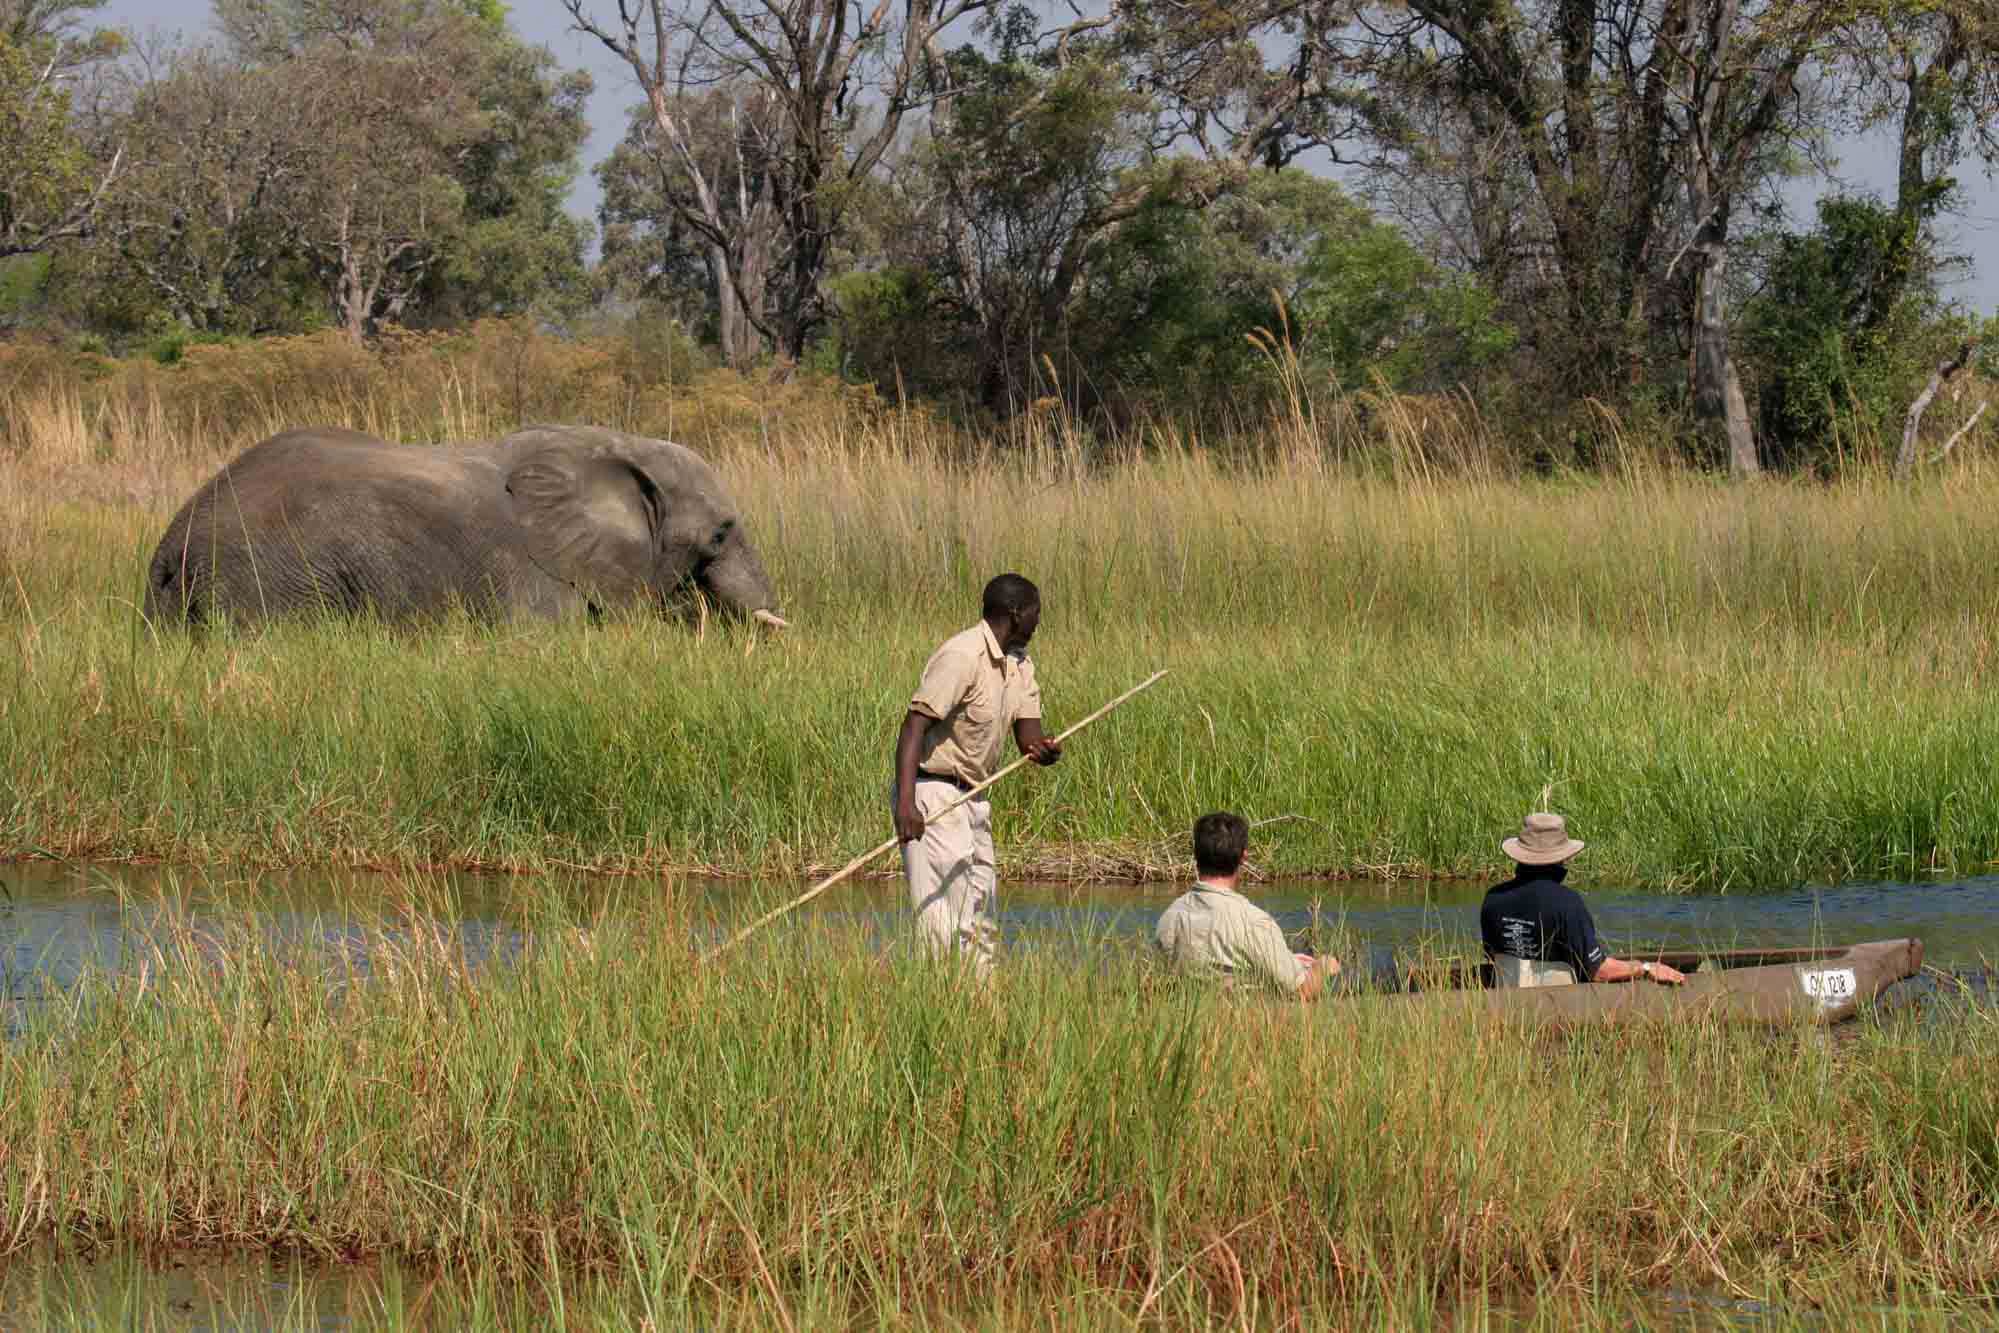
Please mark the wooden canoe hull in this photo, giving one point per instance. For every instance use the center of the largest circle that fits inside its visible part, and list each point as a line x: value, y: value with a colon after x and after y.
x: 1810, y: 986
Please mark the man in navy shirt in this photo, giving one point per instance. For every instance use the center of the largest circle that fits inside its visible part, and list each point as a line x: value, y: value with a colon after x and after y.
x: 1536, y: 918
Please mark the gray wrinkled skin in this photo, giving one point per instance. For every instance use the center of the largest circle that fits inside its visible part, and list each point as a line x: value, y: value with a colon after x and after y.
x: 550, y: 521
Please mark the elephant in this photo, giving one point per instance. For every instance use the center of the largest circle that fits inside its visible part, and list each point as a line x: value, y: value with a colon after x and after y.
x: 548, y: 522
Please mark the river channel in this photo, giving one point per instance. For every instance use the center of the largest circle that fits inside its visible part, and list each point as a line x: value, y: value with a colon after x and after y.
x: 58, y: 921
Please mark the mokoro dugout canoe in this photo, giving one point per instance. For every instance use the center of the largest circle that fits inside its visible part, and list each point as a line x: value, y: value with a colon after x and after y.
x: 1780, y: 986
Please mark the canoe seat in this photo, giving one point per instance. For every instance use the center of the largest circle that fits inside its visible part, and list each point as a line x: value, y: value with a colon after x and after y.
x: 1509, y: 972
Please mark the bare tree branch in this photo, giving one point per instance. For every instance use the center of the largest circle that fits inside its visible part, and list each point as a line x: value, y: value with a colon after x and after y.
x: 1905, y: 459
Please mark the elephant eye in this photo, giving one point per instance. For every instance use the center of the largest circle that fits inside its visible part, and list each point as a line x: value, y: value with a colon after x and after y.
x: 721, y: 534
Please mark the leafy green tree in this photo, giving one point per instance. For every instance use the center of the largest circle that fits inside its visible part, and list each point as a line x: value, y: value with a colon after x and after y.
x: 443, y: 202
x: 1838, y: 334
x: 1166, y: 317
x: 519, y: 248
x: 894, y: 327
x: 1372, y: 308
x: 45, y: 174
x: 1026, y: 165
x: 1163, y: 316
x: 199, y: 232
x: 400, y: 160
x: 53, y: 32
x: 1174, y: 299
x: 50, y: 179
x: 1639, y: 129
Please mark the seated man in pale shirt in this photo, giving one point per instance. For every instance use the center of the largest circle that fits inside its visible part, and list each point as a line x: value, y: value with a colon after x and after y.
x: 1213, y: 930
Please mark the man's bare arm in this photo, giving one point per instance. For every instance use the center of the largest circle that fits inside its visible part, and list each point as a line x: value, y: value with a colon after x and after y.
x: 1318, y: 971
x: 1041, y: 749
x: 908, y: 746
x: 1625, y: 969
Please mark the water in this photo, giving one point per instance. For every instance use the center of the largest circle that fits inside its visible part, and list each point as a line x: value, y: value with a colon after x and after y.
x: 56, y: 921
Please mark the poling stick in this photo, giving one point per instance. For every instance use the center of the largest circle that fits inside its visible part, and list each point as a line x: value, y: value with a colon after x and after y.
x: 868, y: 856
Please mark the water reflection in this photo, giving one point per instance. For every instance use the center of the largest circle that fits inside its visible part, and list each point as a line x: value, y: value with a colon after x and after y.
x: 47, y: 1288
x: 56, y: 1291
x: 58, y: 920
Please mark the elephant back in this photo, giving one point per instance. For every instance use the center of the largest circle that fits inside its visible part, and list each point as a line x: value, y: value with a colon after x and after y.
x: 322, y: 519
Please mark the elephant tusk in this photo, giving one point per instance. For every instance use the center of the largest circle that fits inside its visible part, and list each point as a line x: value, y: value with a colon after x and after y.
x: 770, y: 618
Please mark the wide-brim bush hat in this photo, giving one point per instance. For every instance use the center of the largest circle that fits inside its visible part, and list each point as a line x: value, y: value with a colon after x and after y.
x: 1544, y: 841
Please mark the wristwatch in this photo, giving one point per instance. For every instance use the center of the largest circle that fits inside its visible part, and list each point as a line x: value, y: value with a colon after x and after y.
x: 1645, y: 970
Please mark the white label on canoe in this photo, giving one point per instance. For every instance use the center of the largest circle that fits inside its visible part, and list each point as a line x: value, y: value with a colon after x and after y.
x: 1831, y: 987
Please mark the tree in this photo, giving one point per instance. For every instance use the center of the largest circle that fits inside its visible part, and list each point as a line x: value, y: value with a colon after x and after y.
x: 1045, y: 148
x: 1643, y: 126
x: 1026, y: 166
x: 380, y: 198
x: 651, y: 194
x: 502, y: 144
x: 1838, y: 328
x: 647, y: 250
x: 201, y: 221
x: 1370, y: 307
x: 1178, y: 302
x: 1739, y: 79
x: 816, y: 92
x: 1257, y: 83
x: 519, y: 247
x: 404, y: 160
x: 52, y: 32
x: 50, y: 180
x: 1931, y: 72
x: 1165, y: 315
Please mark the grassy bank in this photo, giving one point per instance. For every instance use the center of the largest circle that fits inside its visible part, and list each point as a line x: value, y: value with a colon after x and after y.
x: 1385, y: 640
x: 1724, y: 687
x: 815, y: 1133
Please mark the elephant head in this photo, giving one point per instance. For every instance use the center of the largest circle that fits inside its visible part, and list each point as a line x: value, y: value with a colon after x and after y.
x: 625, y: 519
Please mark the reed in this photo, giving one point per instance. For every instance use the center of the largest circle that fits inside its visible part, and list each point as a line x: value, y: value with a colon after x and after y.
x: 1723, y: 687
x: 821, y: 1131
x: 1385, y: 633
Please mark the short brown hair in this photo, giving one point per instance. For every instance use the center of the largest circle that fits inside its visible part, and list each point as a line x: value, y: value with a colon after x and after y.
x: 1220, y: 839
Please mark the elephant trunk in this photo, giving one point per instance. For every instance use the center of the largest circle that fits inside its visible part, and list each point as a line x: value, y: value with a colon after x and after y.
x: 736, y: 579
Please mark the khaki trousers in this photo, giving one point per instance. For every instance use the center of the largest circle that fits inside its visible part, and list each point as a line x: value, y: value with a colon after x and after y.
x: 951, y: 877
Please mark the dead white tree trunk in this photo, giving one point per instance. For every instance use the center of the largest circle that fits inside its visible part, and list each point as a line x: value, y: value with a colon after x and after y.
x: 1905, y: 459
x: 1718, y: 400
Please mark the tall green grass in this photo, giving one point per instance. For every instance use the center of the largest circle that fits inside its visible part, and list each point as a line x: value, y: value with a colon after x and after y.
x: 1383, y: 636
x: 814, y: 1131
x: 1723, y: 687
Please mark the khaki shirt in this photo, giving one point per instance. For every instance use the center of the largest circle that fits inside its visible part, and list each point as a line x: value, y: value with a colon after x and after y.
x: 1215, y: 930
x: 973, y: 693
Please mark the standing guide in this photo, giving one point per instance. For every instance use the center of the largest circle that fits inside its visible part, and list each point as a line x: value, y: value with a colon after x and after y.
x: 976, y: 688
x: 1536, y: 928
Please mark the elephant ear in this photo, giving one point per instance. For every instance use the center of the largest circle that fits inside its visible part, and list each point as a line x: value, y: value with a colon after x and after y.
x: 588, y: 516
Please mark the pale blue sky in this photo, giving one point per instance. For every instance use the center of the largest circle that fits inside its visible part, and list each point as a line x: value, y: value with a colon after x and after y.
x: 1866, y: 163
